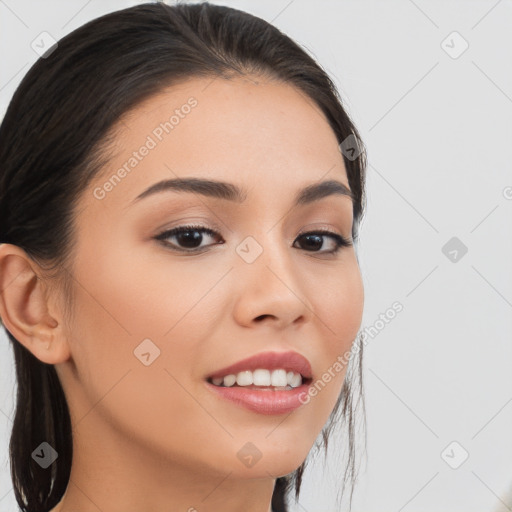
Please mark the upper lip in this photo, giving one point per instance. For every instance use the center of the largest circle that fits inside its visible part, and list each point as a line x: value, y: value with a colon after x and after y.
x: 289, y: 361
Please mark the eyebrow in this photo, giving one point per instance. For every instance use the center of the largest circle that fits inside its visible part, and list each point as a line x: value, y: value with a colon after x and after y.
x: 231, y: 192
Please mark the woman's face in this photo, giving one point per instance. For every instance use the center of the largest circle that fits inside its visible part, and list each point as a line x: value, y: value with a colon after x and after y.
x: 154, y: 319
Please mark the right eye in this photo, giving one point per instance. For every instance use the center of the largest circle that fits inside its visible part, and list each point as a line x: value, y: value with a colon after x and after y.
x: 188, y: 238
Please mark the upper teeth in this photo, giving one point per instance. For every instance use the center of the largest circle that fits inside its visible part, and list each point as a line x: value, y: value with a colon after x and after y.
x: 261, y: 377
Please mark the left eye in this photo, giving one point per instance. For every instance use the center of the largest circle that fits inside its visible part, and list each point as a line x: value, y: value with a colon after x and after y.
x: 316, y: 238
x: 189, y: 239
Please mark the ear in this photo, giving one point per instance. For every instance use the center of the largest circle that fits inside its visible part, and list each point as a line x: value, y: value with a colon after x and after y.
x: 24, y: 307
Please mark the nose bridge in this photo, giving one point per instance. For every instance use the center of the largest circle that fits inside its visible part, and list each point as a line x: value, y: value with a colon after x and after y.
x: 268, y: 279
x: 265, y: 253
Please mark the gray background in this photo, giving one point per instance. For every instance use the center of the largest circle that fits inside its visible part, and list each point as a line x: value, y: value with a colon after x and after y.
x: 437, y: 124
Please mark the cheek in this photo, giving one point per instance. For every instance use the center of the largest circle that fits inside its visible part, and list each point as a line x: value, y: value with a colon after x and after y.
x: 140, y: 296
x: 339, y: 308
x: 343, y: 307
x: 125, y: 299
x: 339, y: 305
x: 113, y: 317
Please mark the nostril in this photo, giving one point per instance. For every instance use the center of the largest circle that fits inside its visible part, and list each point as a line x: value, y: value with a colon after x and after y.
x: 261, y: 317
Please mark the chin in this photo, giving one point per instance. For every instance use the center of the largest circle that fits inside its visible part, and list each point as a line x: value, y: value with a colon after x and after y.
x: 274, y: 461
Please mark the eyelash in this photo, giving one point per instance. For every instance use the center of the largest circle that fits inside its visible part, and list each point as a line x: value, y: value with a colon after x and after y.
x: 340, y: 240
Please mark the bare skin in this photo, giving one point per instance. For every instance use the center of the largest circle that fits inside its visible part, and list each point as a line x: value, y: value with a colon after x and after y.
x: 155, y: 438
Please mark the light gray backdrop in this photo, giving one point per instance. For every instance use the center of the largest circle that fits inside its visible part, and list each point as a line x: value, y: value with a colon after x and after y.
x: 429, y: 85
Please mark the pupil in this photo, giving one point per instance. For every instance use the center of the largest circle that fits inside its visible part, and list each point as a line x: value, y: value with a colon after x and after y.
x: 317, y: 239
x: 190, y: 241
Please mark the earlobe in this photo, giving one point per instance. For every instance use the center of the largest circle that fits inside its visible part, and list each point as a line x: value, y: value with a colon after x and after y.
x: 24, y: 307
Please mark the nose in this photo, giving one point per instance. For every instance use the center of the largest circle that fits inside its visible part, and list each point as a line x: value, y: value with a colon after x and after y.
x: 269, y: 289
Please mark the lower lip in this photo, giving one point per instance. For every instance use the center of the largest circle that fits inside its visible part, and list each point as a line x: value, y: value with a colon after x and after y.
x: 264, y: 402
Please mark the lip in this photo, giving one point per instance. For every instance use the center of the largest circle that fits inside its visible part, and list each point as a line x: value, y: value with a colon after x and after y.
x: 263, y: 402
x: 289, y: 361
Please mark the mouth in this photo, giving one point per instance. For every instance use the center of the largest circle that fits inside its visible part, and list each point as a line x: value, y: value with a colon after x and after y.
x: 262, y: 379
x: 267, y: 383
x: 263, y: 399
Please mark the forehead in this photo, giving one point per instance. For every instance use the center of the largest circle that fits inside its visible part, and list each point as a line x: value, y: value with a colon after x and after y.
x: 258, y: 133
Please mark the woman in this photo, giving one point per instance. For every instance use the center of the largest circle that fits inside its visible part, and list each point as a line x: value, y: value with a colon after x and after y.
x: 180, y: 196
